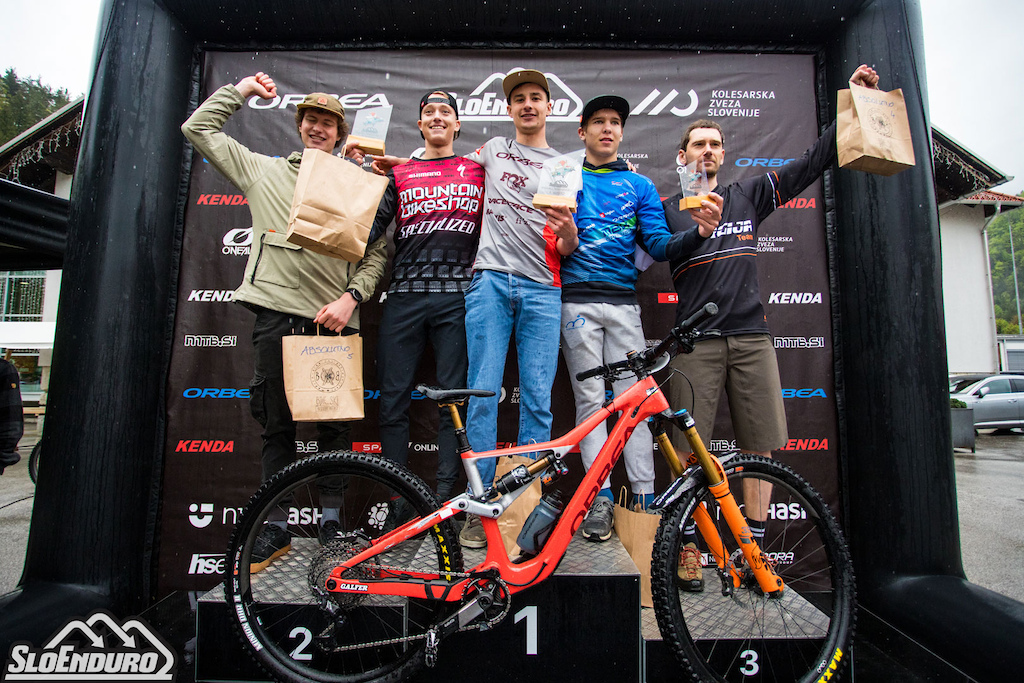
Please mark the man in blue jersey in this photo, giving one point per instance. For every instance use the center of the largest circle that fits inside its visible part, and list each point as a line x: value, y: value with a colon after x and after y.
x: 618, y: 210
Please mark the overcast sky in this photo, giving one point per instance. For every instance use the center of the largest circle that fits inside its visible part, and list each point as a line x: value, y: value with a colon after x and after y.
x: 975, y: 93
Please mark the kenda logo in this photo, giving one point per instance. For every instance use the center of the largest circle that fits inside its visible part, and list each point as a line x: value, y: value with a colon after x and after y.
x: 762, y: 162
x: 795, y: 298
x: 803, y: 393
x: 206, y: 340
x: 657, y: 103
x: 196, y: 392
x: 800, y: 203
x: 358, y: 100
x: 204, y: 564
x: 201, y: 515
x: 99, y: 648
x: 236, y: 242
x: 204, y: 446
x: 222, y: 199
x: 487, y: 101
x: 806, y: 445
x: 211, y: 295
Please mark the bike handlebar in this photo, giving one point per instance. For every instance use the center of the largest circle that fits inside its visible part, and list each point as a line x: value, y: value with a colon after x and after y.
x: 681, y: 334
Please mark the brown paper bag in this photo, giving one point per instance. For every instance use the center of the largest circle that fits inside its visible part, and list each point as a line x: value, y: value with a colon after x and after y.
x: 334, y: 205
x: 323, y: 377
x: 872, y: 131
x: 636, y: 530
x: 512, y: 520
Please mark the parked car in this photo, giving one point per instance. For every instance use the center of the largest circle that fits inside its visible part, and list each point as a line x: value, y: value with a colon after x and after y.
x: 997, y: 400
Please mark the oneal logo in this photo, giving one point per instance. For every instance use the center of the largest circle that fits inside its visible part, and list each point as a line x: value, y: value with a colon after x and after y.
x: 744, y: 162
x: 659, y: 102
x: 353, y: 587
x: 799, y: 342
x: 210, y: 340
x: 211, y: 295
x: 795, y: 298
x: 206, y: 563
x: 202, y: 515
x: 222, y: 199
x: 204, y: 446
x: 237, y: 242
x: 129, y: 651
x: 358, y: 100
x: 487, y: 101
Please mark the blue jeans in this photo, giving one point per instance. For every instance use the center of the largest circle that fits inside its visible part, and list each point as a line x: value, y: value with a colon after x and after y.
x: 499, y: 305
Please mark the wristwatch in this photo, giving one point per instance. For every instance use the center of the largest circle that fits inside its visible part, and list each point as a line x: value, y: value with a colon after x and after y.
x: 355, y: 295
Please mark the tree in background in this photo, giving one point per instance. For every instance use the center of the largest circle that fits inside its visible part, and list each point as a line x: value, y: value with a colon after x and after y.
x: 1003, y: 299
x: 25, y: 102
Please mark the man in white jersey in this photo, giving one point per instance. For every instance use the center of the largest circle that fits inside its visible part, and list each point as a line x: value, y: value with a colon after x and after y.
x: 516, y: 286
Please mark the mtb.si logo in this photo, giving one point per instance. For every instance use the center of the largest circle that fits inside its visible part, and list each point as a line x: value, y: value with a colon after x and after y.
x: 96, y: 648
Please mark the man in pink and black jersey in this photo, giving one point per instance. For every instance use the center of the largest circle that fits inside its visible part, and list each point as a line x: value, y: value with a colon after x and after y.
x: 436, y: 202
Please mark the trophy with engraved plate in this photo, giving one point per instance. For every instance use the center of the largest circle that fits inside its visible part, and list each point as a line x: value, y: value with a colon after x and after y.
x: 694, y: 181
x: 370, y: 128
x: 560, y: 179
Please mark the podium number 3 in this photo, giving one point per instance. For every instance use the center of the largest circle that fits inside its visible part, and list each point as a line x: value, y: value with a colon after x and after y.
x: 750, y: 667
x: 530, y: 614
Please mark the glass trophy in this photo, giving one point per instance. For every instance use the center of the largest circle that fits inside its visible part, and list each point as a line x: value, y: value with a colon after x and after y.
x: 560, y: 179
x: 370, y: 128
x: 694, y: 182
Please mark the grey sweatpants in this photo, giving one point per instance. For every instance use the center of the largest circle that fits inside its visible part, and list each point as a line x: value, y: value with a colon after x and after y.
x: 595, y: 334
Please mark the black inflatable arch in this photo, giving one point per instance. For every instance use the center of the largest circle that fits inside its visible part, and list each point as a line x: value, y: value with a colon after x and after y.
x: 93, y: 524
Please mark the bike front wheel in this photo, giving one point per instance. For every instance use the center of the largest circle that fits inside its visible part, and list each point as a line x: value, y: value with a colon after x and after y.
x: 723, y: 632
x: 294, y: 627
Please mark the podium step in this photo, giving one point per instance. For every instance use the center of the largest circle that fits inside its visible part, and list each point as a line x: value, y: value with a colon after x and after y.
x: 582, y: 624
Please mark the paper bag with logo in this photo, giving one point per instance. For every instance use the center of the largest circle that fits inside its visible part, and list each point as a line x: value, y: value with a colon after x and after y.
x: 636, y: 530
x: 334, y: 205
x: 323, y: 377
x: 872, y: 131
x: 512, y: 520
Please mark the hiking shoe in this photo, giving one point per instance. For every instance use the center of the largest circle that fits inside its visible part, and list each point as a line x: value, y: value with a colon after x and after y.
x: 329, y: 531
x: 689, y: 573
x: 472, y: 534
x: 272, y: 543
x: 598, y: 524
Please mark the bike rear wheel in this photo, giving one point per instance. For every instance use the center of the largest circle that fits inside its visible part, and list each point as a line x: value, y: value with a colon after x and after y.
x: 296, y: 629
x: 746, y: 636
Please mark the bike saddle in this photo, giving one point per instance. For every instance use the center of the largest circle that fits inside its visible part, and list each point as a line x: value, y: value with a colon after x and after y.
x: 451, y: 395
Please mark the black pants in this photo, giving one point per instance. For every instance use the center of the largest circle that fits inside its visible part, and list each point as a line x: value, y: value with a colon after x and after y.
x: 409, y: 320
x: 267, y: 399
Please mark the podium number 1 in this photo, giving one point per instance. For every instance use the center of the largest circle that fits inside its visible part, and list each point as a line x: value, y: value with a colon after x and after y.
x: 530, y: 614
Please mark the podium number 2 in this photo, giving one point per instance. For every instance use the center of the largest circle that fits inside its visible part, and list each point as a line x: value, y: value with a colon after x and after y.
x: 530, y: 614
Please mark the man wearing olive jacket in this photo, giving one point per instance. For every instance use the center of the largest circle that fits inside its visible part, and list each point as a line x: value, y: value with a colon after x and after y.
x: 291, y: 290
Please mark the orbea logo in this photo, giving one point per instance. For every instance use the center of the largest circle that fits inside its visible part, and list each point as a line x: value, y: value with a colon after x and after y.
x: 357, y: 100
x: 487, y: 101
x: 196, y: 392
x: 804, y: 393
x: 201, y: 515
x: 128, y: 651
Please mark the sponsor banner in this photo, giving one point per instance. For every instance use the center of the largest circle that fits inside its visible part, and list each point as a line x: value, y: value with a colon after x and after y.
x: 767, y: 105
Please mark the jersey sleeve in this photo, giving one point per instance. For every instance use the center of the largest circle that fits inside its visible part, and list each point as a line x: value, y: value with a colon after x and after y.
x: 386, y: 210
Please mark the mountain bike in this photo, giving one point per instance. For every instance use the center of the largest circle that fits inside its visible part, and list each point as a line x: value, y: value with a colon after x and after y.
x: 374, y: 602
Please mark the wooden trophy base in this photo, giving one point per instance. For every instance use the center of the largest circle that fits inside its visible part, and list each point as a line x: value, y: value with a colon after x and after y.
x: 368, y: 145
x: 546, y: 201
x: 691, y: 202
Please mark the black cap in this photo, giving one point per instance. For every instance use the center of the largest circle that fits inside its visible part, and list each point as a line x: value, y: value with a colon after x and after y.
x: 437, y: 97
x: 619, y: 104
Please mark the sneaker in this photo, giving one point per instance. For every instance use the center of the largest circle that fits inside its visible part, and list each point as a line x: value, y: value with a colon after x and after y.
x: 472, y: 534
x: 272, y: 543
x: 690, y: 574
x: 598, y: 524
x: 328, y: 531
